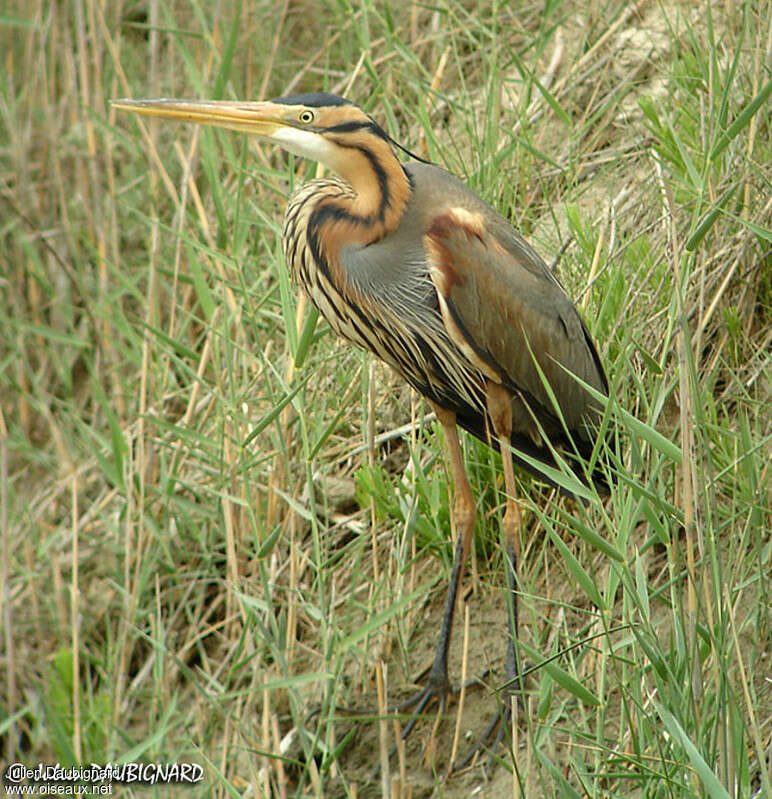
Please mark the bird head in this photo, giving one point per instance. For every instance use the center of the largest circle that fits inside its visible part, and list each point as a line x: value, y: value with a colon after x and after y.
x: 322, y: 127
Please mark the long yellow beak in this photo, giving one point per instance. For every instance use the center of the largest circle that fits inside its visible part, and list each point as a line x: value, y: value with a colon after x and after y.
x: 257, y: 118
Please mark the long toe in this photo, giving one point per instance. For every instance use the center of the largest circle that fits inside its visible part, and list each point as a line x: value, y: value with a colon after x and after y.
x: 496, y: 731
x: 436, y: 689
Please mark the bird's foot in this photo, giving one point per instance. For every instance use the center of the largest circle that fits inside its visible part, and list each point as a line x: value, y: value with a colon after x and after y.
x: 437, y: 688
x: 490, y: 739
x: 499, y: 729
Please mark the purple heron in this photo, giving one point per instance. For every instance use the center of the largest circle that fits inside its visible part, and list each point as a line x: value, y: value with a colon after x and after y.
x: 403, y: 260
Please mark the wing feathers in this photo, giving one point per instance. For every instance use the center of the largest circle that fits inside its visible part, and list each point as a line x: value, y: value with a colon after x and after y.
x: 503, y: 309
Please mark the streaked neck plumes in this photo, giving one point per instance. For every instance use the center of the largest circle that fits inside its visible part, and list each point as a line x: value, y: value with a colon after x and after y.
x: 361, y: 154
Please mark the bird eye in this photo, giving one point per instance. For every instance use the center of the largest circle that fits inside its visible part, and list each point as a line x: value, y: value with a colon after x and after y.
x: 306, y: 117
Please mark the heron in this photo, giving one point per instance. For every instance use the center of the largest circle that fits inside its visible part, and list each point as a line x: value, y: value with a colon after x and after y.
x: 405, y: 261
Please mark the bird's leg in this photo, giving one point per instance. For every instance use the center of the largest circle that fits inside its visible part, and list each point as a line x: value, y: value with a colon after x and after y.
x: 463, y: 516
x: 500, y: 410
x: 499, y: 402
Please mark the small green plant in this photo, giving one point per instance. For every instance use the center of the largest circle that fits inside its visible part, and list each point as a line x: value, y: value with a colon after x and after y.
x: 58, y: 720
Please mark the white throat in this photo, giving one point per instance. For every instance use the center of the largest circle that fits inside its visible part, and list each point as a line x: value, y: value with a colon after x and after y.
x: 305, y: 144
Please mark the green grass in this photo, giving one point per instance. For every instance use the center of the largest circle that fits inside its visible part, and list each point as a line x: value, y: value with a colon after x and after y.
x: 211, y: 522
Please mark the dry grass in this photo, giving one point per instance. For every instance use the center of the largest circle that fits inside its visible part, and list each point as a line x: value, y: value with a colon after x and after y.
x: 190, y: 522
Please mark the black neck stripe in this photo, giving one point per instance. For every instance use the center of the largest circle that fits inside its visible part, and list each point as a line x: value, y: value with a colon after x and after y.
x: 351, y: 127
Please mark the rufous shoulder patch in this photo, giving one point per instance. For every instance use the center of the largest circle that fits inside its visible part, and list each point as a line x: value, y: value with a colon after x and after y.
x: 458, y: 219
x: 444, y: 237
x: 447, y: 243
